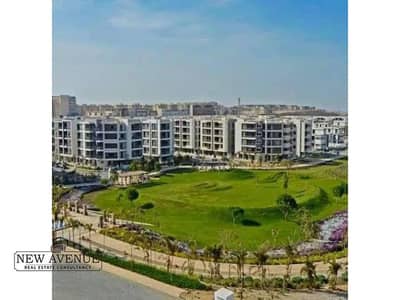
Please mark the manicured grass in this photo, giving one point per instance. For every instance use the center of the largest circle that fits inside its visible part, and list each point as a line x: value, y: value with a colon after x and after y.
x: 196, y: 205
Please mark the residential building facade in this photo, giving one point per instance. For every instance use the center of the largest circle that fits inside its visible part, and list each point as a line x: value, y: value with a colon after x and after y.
x: 269, y: 139
x: 64, y: 105
x: 329, y: 134
x: 158, y: 139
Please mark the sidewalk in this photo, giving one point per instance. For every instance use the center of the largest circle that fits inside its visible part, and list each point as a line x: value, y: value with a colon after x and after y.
x: 158, y: 259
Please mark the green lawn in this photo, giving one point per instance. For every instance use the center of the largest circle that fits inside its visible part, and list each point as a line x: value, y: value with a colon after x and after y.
x: 196, y: 205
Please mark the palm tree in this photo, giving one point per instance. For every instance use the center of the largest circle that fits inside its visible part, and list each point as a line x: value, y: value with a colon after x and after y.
x: 90, y: 228
x: 309, y: 270
x: 191, y: 256
x: 55, y: 211
x: 261, y: 260
x: 215, y: 253
x: 172, y: 247
x: 334, y: 268
x: 132, y: 240
x: 74, y: 224
x: 240, y: 256
x: 226, y: 237
x: 290, y: 255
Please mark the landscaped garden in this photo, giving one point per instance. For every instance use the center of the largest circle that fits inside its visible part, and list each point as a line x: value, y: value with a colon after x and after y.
x: 207, y: 206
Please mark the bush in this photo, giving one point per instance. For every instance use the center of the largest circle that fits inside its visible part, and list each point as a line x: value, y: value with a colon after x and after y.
x: 276, y: 282
x: 132, y: 194
x: 340, y: 190
x: 286, y: 204
x: 321, y: 279
x: 344, y: 276
x: 297, y: 282
x: 287, y: 201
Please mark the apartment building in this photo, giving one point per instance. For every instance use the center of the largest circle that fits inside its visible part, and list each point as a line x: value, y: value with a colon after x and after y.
x: 216, y: 138
x: 115, y: 141
x: 64, y: 105
x: 268, y: 139
x: 329, y: 134
x: 64, y: 139
x: 186, y: 136
x: 99, y: 142
x: 158, y: 139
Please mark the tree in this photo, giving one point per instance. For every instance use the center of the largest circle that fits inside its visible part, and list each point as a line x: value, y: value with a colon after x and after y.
x: 226, y: 237
x: 304, y: 219
x: 290, y: 252
x: 237, y: 214
x: 147, y: 244
x: 309, y: 270
x: 132, y: 194
x: 172, y: 247
x: 286, y: 204
x: 261, y: 260
x: 134, y: 165
x: 113, y: 177
x: 333, y: 271
x: 74, y: 225
x: 90, y: 228
x: 240, y: 257
x: 215, y: 252
x: 55, y: 211
x: 340, y: 190
x: 132, y: 240
x: 286, y: 182
x: 191, y: 256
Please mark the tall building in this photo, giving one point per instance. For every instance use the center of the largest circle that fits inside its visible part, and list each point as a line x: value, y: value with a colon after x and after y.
x: 329, y: 134
x: 186, y: 139
x: 64, y: 105
x: 99, y: 142
x: 268, y: 139
x: 158, y: 139
x: 216, y: 136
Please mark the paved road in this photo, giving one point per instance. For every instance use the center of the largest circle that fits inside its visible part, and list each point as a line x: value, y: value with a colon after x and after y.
x: 99, y: 285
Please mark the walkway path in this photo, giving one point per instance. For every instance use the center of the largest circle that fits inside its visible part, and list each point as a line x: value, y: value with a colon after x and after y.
x: 158, y: 259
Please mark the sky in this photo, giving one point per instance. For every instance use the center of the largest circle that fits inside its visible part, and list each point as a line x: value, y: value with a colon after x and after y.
x: 151, y: 51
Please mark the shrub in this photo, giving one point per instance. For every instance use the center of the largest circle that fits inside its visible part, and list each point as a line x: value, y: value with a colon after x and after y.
x: 286, y: 204
x: 132, y: 194
x: 340, y: 190
x: 344, y: 276
x: 276, y: 282
x: 297, y: 282
x: 286, y: 200
x: 321, y: 279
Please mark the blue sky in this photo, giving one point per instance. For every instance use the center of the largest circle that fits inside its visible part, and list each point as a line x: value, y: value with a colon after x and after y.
x: 264, y: 51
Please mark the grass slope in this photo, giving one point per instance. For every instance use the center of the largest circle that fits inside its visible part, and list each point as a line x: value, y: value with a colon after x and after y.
x: 196, y: 205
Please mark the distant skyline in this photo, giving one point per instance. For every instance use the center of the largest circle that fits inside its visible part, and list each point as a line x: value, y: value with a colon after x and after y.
x: 151, y: 51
